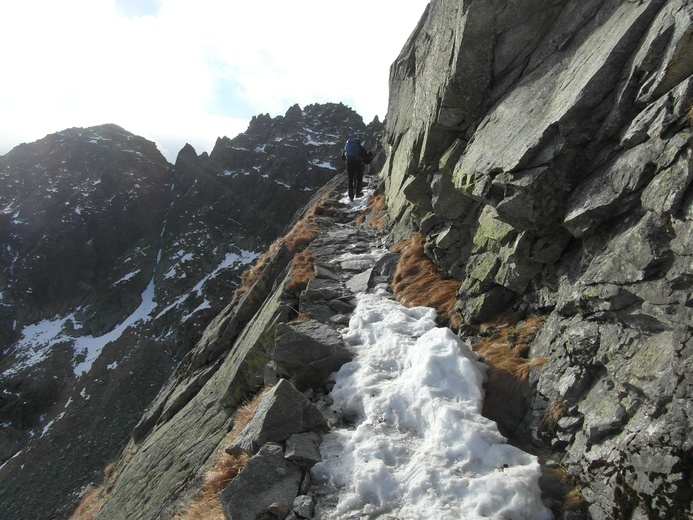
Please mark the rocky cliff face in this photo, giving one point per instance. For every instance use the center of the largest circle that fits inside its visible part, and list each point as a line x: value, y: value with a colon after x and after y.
x: 543, y: 149
x: 113, y: 261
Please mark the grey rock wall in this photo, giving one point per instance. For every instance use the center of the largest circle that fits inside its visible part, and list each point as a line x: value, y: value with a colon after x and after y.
x: 544, y: 151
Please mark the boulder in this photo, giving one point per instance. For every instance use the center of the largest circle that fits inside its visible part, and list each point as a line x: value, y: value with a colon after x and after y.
x: 283, y: 412
x: 309, y: 351
x: 267, y: 480
x: 304, y: 506
x: 304, y: 449
x: 319, y: 293
x: 359, y: 282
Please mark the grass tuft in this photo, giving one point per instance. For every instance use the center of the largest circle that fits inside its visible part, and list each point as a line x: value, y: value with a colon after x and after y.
x: 93, y: 497
x: 555, y: 482
x: 207, y: 505
x: 91, y: 502
x: 296, y: 240
x: 506, y: 349
x: 573, y: 500
x: 375, y: 212
x: 418, y: 282
x: 552, y: 414
x: 302, y: 270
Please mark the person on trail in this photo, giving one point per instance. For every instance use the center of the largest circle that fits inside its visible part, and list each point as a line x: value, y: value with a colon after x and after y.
x: 356, y: 157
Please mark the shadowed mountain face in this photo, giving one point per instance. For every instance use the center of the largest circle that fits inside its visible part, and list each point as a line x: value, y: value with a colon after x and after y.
x: 113, y: 261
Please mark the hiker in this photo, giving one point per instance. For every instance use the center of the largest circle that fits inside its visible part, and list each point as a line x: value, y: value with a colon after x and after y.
x: 356, y: 157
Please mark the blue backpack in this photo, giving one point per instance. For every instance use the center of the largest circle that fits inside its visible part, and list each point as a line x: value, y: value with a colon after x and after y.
x: 352, y: 147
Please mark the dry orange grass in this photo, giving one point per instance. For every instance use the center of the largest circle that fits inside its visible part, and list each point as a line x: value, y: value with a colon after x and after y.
x: 250, y: 276
x: 296, y: 240
x: 375, y: 212
x: 301, y: 234
x: 109, y: 469
x: 557, y: 483
x: 505, y: 352
x: 573, y: 500
x: 302, y: 270
x: 417, y: 281
x: 552, y: 414
x: 94, y: 497
x: 506, y: 349
x: 207, y: 506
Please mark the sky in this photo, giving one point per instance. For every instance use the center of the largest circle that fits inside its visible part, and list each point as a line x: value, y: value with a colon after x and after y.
x: 177, y: 71
x: 414, y: 443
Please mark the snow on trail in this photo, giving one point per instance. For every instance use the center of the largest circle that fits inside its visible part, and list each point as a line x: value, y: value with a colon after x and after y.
x: 418, y: 446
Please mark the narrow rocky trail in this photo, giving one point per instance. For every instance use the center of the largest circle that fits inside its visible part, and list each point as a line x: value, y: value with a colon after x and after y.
x: 369, y: 409
x: 406, y: 438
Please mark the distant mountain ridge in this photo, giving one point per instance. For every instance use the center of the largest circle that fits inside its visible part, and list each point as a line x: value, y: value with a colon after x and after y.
x: 112, y: 262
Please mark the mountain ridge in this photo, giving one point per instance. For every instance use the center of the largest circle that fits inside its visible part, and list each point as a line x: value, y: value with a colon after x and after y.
x: 151, y: 252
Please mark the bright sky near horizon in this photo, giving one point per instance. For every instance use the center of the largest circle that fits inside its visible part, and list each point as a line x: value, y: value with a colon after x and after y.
x: 177, y: 71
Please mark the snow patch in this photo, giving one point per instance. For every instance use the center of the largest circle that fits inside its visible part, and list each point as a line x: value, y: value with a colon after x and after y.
x: 311, y: 142
x: 419, y: 446
x: 12, y: 457
x: 230, y: 260
x: 48, y: 426
x: 204, y: 305
x: 323, y: 164
x: 127, y: 277
x: 374, y: 255
x: 36, y: 342
x: 359, y: 203
x: 90, y: 347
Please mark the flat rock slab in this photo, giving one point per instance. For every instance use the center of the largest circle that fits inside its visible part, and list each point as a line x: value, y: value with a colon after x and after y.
x: 359, y: 283
x: 322, y: 289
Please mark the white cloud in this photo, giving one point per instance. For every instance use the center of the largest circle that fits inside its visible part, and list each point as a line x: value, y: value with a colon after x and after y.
x: 194, y: 71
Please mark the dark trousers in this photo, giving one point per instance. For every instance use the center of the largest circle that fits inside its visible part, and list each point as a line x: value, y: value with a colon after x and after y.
x: 355, y: 173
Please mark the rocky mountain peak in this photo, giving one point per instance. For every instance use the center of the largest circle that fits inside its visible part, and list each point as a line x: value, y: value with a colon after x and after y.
x: 73, y: 203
